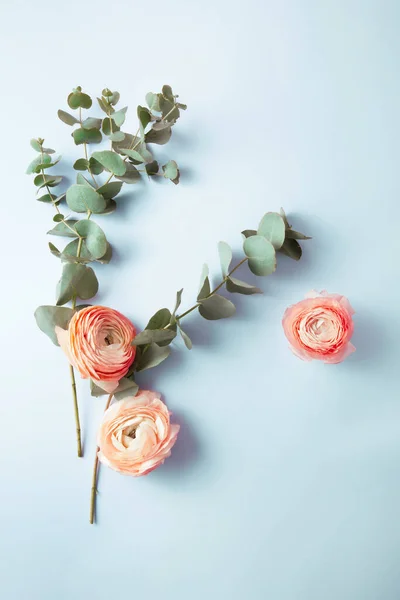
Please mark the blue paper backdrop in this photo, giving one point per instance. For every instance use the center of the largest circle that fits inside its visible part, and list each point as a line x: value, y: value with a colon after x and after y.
x: 285, y: 482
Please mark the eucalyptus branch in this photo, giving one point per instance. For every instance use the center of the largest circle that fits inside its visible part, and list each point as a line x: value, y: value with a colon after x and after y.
x: 219, y: 286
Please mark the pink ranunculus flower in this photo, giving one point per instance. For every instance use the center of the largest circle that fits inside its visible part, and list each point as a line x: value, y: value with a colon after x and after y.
x: 136, y: 435
x: 98, y: 343
x: 320, y: 327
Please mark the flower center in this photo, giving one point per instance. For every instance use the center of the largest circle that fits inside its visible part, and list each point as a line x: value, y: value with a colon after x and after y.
x: 108, y: 339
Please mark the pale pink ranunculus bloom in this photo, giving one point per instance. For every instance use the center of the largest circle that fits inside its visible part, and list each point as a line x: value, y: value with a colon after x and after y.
x: 136, y: 436
x: 320, y: 327
x: 98, y: 343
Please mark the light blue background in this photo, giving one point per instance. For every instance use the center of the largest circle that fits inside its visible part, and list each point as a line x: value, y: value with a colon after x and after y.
x: 285, y: 481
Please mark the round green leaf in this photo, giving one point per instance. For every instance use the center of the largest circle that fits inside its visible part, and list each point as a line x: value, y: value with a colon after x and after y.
x: 81, y: 164
x: 58, y: 218
x: 96, y: 241
x: 132, y: 175
x: 47, y: 317
x: 153, y: 101
x: 64, y: 229
x: 110, y: 190
x: 158, y: 136
x: 272, y: 227
x: 67, y: 118
x: 91, y: 123
x: 216, y: 307
x: 225, y: 257
x: 171, y: 171
x: 235, y: 286
x: 79, y: 100
x: 119, y: 116
x: 118, y: 136
x: 95, y: 167
x: 134, y: 154
x: 82, y: 198
x: 261, y: 255
x: 86, y: 136
x: 292, y: 249
x: 76, y: 279
x: 111, y: 161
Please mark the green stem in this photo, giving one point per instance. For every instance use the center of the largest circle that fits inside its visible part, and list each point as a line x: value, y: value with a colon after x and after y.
x: 94, y: 476
x: 132, y: 147
x: 219, y: 286
x: 86, y: 152
x: 76, y: 412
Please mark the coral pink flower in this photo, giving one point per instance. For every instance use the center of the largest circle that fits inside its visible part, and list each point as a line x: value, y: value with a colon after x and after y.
x: 136, y: 435
x: 320, y: 327
x: 98, y: 343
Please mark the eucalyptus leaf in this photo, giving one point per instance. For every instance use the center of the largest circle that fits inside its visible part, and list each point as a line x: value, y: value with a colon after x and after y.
x: 171, y: 171
x: 169, y: 110
x: 110, y: 190
x: 35, y: 145
x: 296, y: 235
x: 186, y: 339
x: 132, y: 175
x: 118, y: 136
x: 127, y: 388
x: 70, y: 253
x: 178, y: 301
x: 261, y: 255
x: 225, y: 257
x: 114, y: 98
x: 81, y: 164
x: 272, y: 227
x: 292, y: 249
x: 82, y: 198
x: 67, y: 118
x: 152, y: 168
x: 48, y: 317
x: 160, y: 125
x: 107, y: 256
x: 109, y: 126
x: 235, y: 286
x: 158, y: 136
x: 81, y: 180
x: 79, y: 100
x: 47, y: 181
x: 95, y: 167
x: 47, y: 165
x: 91, y: 123
x: 119, y: 116
x: 110, y: 208
x: 129, y: 141
x: 249, y: 232
x: 216, y: 307
x: 96, y: 391
x: 133, y: 154
x: 204, y: 286
x: 76, y: 279
x: 38, y: 161
x: 58, y: 218
x: 153, y: 101
x: 168, y: 93
x: 153, y: 356
x: 65, y: 229
x: 111, y: 161
x: 144, y: 116
x: 48, y: 150
x: 103, y: 105
x: 50, y: 198
x: 148, y: 336
x: 86, y: 136
x: 96, y: 241
x: 160, y: 319
x: 283, y: 215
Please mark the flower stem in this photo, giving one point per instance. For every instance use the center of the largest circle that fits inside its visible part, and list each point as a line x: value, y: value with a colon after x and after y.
x: 219, y: 286
x: 94, y: 476
x: 76, y: 412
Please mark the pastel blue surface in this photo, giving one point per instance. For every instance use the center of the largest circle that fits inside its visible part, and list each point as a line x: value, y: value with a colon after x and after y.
x: 285, y: 481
